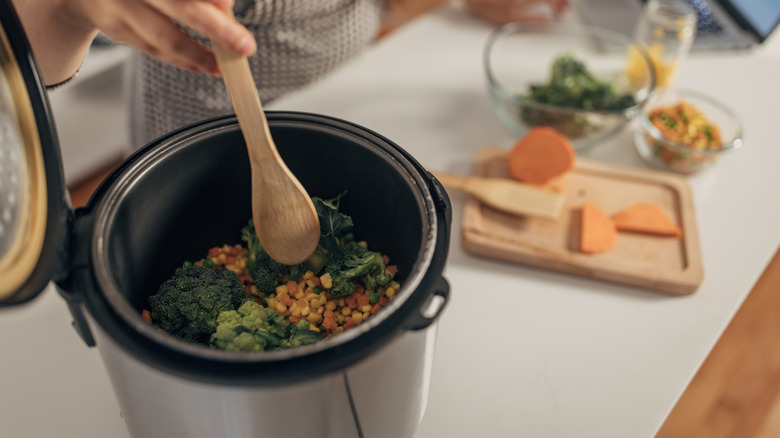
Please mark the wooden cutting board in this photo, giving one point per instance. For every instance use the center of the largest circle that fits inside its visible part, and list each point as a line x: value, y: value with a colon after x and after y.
x: 662, y: 264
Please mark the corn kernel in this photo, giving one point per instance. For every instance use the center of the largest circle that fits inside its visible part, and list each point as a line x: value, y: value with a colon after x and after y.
x: 320, y: 310
x: 395, y: 285
x: 342, y: 302
x: 281, y: 289
x: 308, y: 275
x: 313, y: 318
x: 358, y: 317
x: 299, y: 295
x: 330, y: 305
x: 305, y: 311
x: 326, y: 280
x: 366, y: 308
x: 295, y: 311
x: 363, y: 243
x: 346, y: 311
x: 281, y: 308
x: 366, y: 315
x: 389, y: 292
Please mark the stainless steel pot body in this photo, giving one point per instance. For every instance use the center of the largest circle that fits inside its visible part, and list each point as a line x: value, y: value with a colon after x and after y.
x: 189, y: 191
x: 382, y: 396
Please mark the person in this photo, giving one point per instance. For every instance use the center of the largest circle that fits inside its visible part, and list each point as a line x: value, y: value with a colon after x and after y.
x: 173, y: 76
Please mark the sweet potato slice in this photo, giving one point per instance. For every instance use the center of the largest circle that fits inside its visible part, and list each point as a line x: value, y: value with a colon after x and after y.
x: 646, y: 217
x: 597, y: 230
x: 543, y: 155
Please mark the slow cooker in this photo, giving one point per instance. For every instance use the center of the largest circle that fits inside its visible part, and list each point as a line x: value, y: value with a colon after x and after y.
x: 190, y: 190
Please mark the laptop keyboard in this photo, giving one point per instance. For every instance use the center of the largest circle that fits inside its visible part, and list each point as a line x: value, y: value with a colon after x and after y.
x: 707, y: 23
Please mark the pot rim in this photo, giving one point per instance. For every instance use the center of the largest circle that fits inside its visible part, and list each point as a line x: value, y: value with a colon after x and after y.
x: 112, y: 311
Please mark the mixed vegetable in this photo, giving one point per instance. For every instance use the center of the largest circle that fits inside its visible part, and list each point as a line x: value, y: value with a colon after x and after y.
x: 239, y: 299
x: 572, y: 85
x: 694, y: 135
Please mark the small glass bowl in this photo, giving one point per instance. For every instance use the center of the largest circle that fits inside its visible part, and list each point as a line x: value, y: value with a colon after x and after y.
x: 519, y: 56
x: 664, y: 153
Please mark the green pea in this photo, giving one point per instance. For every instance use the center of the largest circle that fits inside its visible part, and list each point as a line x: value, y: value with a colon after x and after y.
x: 186, y: 265
x: 208, y: 263
x: 317, y: 290
x: 373, y: 298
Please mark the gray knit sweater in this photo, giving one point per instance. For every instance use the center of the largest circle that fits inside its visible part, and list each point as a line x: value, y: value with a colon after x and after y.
x: 298, y: 41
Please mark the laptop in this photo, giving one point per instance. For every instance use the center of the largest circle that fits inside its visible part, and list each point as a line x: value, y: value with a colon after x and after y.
x: 722, y: 25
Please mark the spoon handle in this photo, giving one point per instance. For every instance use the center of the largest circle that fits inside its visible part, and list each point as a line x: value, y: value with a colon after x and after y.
x: 246, y: 102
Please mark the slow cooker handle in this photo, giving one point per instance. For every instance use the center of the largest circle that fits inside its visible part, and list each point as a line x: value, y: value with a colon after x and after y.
x: 432, y: 308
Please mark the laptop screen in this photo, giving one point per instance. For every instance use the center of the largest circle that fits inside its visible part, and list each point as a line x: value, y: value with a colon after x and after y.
x: 760, y: 16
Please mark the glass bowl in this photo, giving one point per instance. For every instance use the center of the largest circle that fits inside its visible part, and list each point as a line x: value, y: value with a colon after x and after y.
x: 519, y: 61
x: 662, y: 145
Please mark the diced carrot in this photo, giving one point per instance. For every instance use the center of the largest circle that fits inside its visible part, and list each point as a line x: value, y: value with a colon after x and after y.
x: 597, y: 230
x: 292, y: 287
x: 213, y: 252
x: 349, y: 323
x: 284, y: 299
x: 230, y: 259
x: 329, y: 320
x: 236, y: 250
x: 363, y: 300
x: 385, y: 258
x: 375, y: 308
x: 316, y: 281
x: 146, y: 315
x: 302, y: 303
x: 359, y: 289
x: 541, y: 156
x: 383, y: 300
x: 293, y: 319
x: 352, y: 300
x: 391, y: 270
x: 646, y: 217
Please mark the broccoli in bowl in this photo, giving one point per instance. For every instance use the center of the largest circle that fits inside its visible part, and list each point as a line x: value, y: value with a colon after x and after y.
x: 572, y: 98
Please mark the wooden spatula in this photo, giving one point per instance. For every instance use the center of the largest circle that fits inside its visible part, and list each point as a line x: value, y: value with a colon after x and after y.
x: 507, y: 195
x: 285, y: 219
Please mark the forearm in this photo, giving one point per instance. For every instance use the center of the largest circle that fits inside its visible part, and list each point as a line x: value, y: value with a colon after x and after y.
x: 59, y: 37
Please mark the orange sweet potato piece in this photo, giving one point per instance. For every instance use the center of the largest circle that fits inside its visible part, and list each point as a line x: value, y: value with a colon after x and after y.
x: 597, y: 230
x: 646, y: 217
x: 541, y: 156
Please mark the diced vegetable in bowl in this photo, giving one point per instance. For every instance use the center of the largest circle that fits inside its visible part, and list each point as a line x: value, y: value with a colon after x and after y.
x: 685, y: 131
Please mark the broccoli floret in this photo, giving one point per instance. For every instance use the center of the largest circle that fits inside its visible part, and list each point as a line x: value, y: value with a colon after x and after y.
x: 301, y: 334
x: 359, y: 264
x: 264, y: 270
x: 255, y: 328
x: 187, y: 305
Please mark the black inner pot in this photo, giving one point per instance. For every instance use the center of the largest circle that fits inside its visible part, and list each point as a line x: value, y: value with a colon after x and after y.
x: 191, y: 191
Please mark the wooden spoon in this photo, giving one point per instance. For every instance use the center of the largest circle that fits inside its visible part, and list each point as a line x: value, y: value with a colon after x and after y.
x: 285, y: 219
x: 507, y: 195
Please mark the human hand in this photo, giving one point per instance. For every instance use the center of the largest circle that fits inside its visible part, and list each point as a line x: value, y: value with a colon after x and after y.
x: 505, y: 11
x: 150, y: 26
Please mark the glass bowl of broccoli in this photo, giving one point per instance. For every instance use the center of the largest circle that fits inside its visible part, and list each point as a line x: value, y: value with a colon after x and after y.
x: 586, y: 82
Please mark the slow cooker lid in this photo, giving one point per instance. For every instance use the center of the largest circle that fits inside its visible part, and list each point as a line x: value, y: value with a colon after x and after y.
x: 29, y: 168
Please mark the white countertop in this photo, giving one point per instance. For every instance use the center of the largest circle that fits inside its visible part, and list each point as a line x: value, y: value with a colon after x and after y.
x: 521, y: 351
